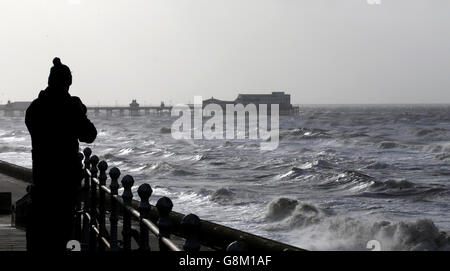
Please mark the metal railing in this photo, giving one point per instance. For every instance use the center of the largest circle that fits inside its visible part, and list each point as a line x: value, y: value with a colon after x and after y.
x: 91, y: 227
x: 101, y: 212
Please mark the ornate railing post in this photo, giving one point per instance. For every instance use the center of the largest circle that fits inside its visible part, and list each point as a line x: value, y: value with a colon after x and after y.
x: 78, y: 210
x: 81, y: 157
x: 127, y: 196
x: 102, y: 166
x: 85, y: 238
x: 87, y: 156
x: 93, y: 206
x: 164, y: 206
x: 144, y: 192
x: 191, y: 226
x: 114, y: 173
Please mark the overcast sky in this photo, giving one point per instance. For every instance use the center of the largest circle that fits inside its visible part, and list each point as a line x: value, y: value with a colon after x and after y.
x: 320, y: 51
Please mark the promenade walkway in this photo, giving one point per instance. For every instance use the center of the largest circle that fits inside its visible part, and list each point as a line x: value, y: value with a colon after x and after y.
x: 11, y: 238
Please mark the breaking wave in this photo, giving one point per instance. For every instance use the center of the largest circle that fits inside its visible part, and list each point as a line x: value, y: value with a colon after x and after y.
x: 321, y: 229
x: 438, y: 148
x: 304, y: 133
x: 317, y: 164
x: 223, y: 196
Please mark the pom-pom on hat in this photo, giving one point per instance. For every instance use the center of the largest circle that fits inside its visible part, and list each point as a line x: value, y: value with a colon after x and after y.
x: 60, y: 75
x: 57, y: 61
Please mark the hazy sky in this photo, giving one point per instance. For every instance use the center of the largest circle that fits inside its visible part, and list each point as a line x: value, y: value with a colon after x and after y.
x: 320, y: 51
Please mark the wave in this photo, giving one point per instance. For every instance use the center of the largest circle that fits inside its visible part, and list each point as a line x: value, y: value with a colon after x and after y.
x: 349, y: 181
x: 402, y: 187
x: 164, y: 168
x: 138, y: 169
x: 193, y: 157
x: 304, y: 133
x: 318, y: 164
x: 377, y: 165
x: 5, y: 148
x: 112, y: 156
x: 392, y: 184
x: 291, y: 174
x: 293, y: 214
x: 223, y: 196
x: 12, y: 134
x: 218, y: 163
x: 438, y: 148
x: 230, y: 196
x: 357, y: 134
x: 182, y: 172
x: 431, y: 132
x: 125, y: 151
x: 280, y: 208
x: 443, y: 156
x: 388, y: 145
x: 200, y: 157
x: 321, y: 229
x: 360, y: 184
x: 165, y: 130
x: 295, y: 172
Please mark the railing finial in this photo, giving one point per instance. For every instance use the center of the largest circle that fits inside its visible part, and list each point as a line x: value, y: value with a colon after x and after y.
x: 127, y: 183
x: 127, y: 196
x: 94, y: 162
x: 164, y: 206
x: 114, y: 173
x: 93, y: 204
x: 165, y: 225
x: 87, y: 154
x: 144, y: 192
x: 102, y: 166
x: 191, y: 225
x: 86, y: 189
x: 78, y: 210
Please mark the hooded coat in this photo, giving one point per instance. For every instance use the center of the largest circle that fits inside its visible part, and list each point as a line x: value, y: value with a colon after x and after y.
x: 57, y: 122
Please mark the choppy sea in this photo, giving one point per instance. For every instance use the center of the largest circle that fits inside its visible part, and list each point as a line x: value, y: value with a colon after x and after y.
x: 341, y: 176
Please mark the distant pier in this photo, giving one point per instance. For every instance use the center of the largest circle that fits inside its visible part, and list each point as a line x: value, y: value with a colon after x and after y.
x: 12, y: 109
x: 282, y: 99
x: 134, y: 109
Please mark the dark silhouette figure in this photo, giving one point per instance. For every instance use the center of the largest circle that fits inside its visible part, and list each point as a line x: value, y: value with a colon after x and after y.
x: 56, y: 122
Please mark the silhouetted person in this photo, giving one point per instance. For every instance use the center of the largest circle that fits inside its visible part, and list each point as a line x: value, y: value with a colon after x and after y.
x: 56, y: 122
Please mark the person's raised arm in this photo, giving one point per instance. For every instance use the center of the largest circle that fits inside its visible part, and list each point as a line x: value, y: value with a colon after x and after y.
x: 85, y: 129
